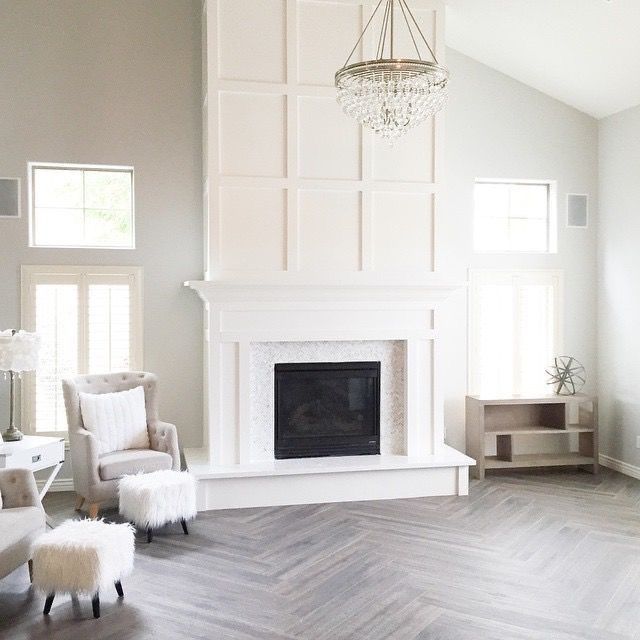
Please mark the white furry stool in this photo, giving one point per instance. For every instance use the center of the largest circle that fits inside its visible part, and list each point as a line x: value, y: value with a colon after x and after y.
x: 151, y: 500
x: 82, y: 557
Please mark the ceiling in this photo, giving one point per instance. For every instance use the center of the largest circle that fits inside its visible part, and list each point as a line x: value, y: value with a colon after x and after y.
x: 583, y: 52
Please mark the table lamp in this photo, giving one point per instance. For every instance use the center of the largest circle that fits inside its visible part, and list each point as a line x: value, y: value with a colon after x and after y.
x: 18, y: 353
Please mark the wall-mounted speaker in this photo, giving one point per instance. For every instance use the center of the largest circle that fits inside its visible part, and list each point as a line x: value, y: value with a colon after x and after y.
x: 9, y: 197
x: 577, y: 210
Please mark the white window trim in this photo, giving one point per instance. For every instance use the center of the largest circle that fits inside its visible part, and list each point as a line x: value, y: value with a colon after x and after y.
x: 84, y: 274
x: 31, y: 166
x: 475, y: 277
x: 552, y: 227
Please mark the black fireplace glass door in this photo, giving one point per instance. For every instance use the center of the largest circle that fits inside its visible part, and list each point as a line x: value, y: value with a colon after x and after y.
x: 327, y: 409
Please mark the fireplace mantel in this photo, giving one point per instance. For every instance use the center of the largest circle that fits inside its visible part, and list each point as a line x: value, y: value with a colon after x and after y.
x: 241, y: 315
x: 220, y: 292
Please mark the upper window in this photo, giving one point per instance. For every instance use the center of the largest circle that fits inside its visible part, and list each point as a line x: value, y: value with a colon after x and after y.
x: 514, y: 217
x: 81, y: 206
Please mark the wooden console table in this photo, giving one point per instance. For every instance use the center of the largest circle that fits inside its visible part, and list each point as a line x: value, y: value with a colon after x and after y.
x: 513, y: 416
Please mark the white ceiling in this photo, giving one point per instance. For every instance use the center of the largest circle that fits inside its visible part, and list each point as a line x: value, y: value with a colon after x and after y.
x: 583, y: 52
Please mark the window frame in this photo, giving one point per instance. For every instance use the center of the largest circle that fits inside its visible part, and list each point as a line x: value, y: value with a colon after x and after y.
x: 32, y: 166
x: 532, y: 276
x: 552, y: 216
x: 82, y: 276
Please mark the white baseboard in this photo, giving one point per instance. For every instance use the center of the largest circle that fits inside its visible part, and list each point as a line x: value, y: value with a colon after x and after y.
x: 617, y: 465
x: 59, y: 484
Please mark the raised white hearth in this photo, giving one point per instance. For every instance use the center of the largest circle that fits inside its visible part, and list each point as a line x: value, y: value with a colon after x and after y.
x: 252, y: 327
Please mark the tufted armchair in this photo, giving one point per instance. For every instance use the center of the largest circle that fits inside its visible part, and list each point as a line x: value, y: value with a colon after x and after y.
x: 95, y: 475
x: 22, y: 518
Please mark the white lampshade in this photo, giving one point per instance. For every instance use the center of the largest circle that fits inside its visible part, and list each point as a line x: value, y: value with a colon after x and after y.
x: 18, y: 352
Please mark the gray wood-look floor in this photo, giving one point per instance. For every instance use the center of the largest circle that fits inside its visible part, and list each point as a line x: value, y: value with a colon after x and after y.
x: 550, y: 554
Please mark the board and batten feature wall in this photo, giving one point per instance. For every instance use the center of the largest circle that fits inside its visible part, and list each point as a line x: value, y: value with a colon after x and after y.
x: 294, y: 190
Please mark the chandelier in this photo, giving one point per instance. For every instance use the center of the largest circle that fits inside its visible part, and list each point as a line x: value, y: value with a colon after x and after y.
x: 390, y: 95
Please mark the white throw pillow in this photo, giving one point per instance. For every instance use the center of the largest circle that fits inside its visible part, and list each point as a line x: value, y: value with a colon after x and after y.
x: 117, y: 420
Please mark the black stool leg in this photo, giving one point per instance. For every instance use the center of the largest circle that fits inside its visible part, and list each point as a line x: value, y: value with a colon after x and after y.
x: 183, y: 522
x: 47, y: 603
x: 149, y: 535
x: 95, y: 604
x: 119, y: 589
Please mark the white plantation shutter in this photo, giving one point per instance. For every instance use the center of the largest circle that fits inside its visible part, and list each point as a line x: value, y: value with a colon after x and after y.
x: 109, y: 327
x: 515, y: 330
x: 56, y: 308
x: 88, y: 319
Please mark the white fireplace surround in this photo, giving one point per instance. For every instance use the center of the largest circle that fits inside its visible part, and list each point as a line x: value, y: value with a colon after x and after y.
x: 251, y: 327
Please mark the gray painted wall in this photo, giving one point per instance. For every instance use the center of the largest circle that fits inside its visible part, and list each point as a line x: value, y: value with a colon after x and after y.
x: 619, y: 285
x: 497, y: 127
x: 116, y: 82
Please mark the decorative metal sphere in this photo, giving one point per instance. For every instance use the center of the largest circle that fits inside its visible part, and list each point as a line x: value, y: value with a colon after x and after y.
x: 566, y: 375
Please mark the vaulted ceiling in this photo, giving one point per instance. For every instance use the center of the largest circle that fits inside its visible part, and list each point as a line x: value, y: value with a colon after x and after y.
x: 583, y: 52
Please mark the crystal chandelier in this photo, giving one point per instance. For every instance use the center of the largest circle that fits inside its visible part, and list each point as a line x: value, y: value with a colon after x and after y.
x: 390, y: 95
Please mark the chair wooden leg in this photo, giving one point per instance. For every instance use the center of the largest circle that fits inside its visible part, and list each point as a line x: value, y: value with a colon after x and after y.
x: 47, y: 603
x: 119, y: 589
x: 183, y: 522
x: 149, y: 535
x: 79, y: 502
x: 94, y: 509
x: 30, y: 564
x: 95, y: 604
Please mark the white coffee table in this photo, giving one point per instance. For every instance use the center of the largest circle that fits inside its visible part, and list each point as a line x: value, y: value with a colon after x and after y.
x: 34, y: 453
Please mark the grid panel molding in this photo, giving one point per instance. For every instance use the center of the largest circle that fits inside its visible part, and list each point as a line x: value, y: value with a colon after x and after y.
x: 293, y: 187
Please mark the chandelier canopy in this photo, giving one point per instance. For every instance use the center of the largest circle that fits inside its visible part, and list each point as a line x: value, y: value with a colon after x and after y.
x: 390, y: 95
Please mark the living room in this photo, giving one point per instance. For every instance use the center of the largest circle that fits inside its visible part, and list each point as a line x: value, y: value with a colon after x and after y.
x: 361, y: 275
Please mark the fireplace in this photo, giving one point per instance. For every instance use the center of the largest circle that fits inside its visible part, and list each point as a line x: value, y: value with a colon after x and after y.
x: 327, y: 409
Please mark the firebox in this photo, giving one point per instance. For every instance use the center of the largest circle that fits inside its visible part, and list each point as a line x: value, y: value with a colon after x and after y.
x: 327, y: 409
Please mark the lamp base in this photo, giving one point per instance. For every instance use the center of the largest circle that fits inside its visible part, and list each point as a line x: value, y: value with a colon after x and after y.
x: 12, y: 435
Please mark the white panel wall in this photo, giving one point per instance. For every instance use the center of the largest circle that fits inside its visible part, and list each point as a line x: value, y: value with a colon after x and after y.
x: 293, y: 186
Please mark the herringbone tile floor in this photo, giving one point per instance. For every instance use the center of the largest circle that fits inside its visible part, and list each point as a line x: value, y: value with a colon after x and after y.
x: 544, y: 555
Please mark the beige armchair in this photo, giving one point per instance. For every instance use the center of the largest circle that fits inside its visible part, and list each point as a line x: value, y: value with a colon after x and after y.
x: 95, y: 475
x: 22, y: 518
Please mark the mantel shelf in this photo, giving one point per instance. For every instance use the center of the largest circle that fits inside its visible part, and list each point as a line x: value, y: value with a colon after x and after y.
x: 428, y: 291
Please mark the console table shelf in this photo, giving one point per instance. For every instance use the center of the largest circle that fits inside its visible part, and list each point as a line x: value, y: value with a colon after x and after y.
x: 509, y: 417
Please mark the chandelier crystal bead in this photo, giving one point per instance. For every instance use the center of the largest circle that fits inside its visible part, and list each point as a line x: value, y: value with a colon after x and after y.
x: 391, y: 95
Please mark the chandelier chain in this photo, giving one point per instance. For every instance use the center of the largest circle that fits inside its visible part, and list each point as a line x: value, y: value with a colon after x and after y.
x: 362, y: 34
x: 433, y: 55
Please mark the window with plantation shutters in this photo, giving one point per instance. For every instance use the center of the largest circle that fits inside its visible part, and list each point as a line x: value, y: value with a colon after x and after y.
x: 515, y: 330
x: 88, y: 319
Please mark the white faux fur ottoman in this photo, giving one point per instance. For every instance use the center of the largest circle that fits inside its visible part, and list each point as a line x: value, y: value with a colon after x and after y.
x: 82, y: 557
x: 151, y: 500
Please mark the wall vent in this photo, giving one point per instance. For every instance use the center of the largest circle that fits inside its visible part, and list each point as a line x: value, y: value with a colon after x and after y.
x: 9, y: 197
x: 577, y: 210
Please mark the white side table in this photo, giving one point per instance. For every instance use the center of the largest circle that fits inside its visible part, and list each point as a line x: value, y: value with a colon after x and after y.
x: 35, y: 453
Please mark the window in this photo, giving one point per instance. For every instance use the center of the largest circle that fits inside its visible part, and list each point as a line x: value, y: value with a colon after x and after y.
x: 514, y: 216
x: 515, y: 330
x: 81, y: 206
x: 89, y: 321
